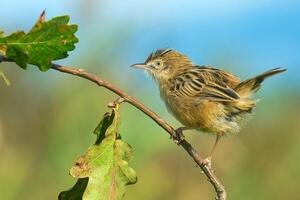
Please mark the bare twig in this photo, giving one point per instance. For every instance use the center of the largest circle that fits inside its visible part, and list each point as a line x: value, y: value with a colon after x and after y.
x: 219, y: 188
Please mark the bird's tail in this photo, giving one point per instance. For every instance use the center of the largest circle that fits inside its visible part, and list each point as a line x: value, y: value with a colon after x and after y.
x: 250, y: 86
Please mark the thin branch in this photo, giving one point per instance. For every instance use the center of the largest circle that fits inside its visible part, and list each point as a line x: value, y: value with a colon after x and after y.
x: 206, y: 169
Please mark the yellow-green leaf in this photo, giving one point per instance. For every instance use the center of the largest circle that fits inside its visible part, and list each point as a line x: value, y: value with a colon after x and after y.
x: 105, y: 164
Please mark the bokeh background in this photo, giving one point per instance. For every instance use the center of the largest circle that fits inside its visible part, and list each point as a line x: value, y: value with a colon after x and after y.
x: 47, y: 119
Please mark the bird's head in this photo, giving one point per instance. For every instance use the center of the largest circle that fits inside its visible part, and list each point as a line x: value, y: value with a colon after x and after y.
x: 164, y: 64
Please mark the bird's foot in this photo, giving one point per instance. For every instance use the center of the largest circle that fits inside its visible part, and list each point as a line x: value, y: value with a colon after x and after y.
x: 179, y: 137
x: 207, y: 162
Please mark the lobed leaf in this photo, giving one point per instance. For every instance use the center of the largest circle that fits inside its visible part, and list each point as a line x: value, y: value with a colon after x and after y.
x: 105, y: 164
x: 45, y: 42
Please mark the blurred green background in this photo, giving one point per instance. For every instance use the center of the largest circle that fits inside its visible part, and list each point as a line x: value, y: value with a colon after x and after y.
x: 47, y: 119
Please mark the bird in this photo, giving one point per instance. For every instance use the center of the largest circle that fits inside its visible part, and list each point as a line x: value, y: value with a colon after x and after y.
x: 203, y: 98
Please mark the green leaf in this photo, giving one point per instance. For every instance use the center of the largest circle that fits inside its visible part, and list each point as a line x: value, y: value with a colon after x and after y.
x: 76, y: 192
x: 45, y: 42
x: 105, y: 164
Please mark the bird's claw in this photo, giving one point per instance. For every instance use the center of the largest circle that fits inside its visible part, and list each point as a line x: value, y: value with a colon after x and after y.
x: 178, y: 137
x: 207, y: 162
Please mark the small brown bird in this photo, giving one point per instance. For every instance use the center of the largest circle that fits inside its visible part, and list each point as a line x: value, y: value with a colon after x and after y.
x: 202, y: 97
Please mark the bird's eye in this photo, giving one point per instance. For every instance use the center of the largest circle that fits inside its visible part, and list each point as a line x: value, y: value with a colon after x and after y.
x: 158, y: 63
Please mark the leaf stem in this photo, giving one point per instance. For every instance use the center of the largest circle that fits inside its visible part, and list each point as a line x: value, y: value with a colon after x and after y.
x: 4, y: 78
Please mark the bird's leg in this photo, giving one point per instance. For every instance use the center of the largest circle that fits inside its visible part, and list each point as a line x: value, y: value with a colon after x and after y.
x: 207, y: 160
x: 179, y: 134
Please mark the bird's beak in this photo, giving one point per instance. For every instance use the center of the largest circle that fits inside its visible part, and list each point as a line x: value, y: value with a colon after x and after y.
x: 140, y: 66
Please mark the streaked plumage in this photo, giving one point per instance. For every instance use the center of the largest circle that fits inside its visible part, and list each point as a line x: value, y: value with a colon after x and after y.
x: 203, y: 97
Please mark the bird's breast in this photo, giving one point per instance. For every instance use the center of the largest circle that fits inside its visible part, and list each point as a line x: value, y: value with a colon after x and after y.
x: 183, y: 109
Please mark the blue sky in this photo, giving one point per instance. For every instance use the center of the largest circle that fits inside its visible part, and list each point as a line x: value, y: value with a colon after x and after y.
x: 248, y: 36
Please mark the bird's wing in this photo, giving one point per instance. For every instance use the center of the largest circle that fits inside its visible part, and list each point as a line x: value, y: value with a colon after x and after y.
x: 206, y: 83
